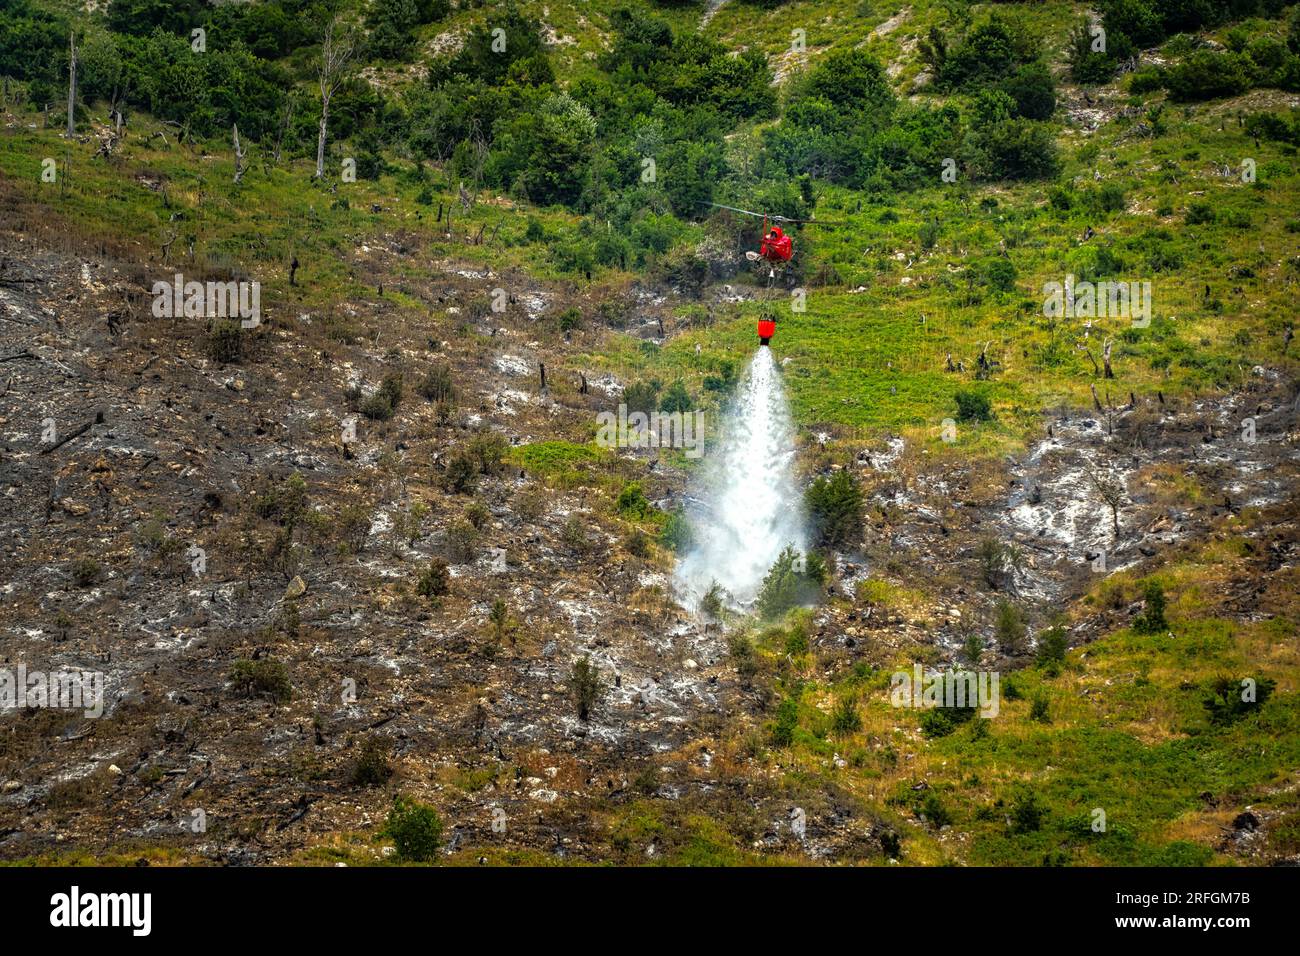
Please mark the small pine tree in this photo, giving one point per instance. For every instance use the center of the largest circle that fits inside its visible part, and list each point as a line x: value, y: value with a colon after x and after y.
x: 503, y: 625
x: 1152, y: 619
x: 585, y: 685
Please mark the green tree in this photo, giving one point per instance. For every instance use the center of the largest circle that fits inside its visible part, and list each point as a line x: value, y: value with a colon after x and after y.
x: 585, y: 685
x: 834, y: 505
x: 415, y: 829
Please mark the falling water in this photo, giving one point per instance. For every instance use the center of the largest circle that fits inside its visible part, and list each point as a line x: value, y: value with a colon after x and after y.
x: 749, y: 507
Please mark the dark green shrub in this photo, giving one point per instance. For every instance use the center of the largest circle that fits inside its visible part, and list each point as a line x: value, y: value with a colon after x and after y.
x: 1010, y: 627
x: 437, y: 385
x: 1152, y: 619
x: 434, y: 581
x: 1039, y: 710
x: 461, y: 476
x: 86, y: 572
x: 641, y: 397
x: 632, y: 502
x: 262, y: 676
x: 225, y: 341
x: 834, y: 506
x: 1228, y: 698
x: 973, y: 406
x: 785, y: 586
x: 676, y: 399
x: 371, y: 768
x: 676, y: 533
x: 845, y: 719
x: 787, y: 721
x: 1027, y: 813
x: 1205, y: 75
x: 935, y: 813
x: 585, y: 685
x: 415, y: 829
x: 1051, y: 648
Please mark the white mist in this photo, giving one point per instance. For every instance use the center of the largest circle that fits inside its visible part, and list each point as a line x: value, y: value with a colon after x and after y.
x: 750, y: 507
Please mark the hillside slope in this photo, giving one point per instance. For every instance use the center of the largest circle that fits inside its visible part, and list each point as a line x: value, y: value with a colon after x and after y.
x: 410, y: 539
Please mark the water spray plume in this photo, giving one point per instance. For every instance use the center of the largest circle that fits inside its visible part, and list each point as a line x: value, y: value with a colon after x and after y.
x: 749, y: 507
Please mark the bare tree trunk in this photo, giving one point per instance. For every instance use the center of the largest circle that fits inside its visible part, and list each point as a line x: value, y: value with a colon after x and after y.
x: 72, y: 85
x: 239, y: 154
x: 337, y: 48
x: 1088, y: 352
x: 1105, y: 358
x: 320, y: 138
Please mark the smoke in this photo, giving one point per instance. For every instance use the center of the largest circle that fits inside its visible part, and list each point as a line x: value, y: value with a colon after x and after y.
x: 749, y: 507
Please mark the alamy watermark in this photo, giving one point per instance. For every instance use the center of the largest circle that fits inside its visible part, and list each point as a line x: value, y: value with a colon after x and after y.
x: 651, y: 430
x: 198, y: 300
x: 59, y: 690
x: 947, y: 689
x: 1117, y: 300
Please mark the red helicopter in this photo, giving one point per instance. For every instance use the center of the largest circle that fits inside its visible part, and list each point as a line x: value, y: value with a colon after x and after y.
x: 776, y: 248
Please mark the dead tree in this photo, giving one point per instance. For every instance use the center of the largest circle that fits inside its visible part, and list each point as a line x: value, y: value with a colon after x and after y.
x: 239, y: 153
x: 1105, y: 358
x: 286, y: 117
x: 1287, y: 336
x: 1096, y: 370
x: 1096, y: 402
x: 1111, y: 490
x: 72, y: 84
x: 167, y: 245
x: 336, y: 51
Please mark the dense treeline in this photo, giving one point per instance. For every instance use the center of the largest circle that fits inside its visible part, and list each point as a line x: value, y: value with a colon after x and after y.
x: 644, y: 141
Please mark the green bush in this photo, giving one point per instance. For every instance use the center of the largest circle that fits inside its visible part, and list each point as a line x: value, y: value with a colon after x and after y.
x: 586, y: 687
x: 834, y: 506
x: 86, y: 572
x: 437, y: 385
x: 973, y: 406
x: 1152, y: 619
x: 415, y: 829
x: 1027, y: 813
x: 1227, y: 702
x: 1051, y: 648
x: 1205, y: 75
x: 434, y: 581
x: 845, y: 718
x: 641, y: 397
x: 711, y: 603
x: 461, y: 476
x: 632, y: 502
x: 787, y: 721
x: 262, y: 676
x: 1010, y: 627
x: 785, y: 586
x: 371, y: 768
x: 676, y: 399
x: 1039, y: 710
x: 939, y: 722
x: 935, y: 813
x: 676, y: 533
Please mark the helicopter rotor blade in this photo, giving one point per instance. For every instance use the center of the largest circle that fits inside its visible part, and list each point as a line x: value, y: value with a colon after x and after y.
x: 747, y: 212
x: 772, y: 216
